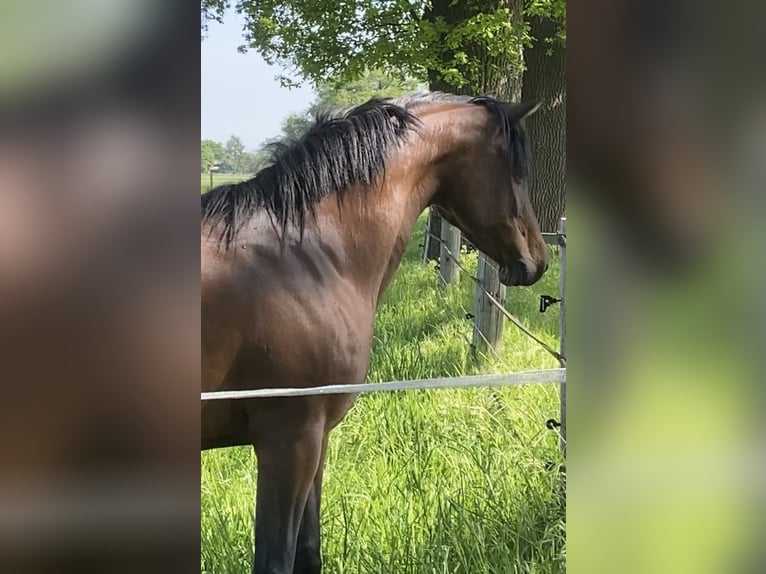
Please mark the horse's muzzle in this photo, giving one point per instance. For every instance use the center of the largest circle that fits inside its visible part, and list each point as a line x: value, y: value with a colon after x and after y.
x: 522, y: 273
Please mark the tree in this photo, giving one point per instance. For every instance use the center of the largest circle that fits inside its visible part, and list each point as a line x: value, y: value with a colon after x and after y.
x: 253, y: 162
x: 332, y: 41
x: 295, y: 125
x: 207, y: 159
x: 370, y: 84
x: 545, y: 81
x: 210, y: 152
x: 234, y: 152
x: 213, y: 10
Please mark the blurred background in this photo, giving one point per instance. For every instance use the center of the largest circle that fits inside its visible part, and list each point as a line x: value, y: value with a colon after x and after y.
x: 99, y: 275
x: 667, y: 147
x: 99, y: 286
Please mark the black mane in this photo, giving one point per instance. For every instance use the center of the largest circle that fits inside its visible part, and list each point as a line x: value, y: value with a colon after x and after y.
x: 512, y: 134
x: 340, y: 151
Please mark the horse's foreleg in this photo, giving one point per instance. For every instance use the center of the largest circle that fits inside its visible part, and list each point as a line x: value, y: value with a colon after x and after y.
x: 287, y: 466
x: 308, y: 559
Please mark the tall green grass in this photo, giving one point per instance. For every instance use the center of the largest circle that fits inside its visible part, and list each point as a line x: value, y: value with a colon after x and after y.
x: 425, y: 482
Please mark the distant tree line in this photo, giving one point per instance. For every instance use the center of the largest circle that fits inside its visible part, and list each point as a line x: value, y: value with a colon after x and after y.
x: 231, y: 157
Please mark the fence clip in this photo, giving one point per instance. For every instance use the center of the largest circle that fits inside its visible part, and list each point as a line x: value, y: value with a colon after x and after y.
x: 552, y: 424
x: 551, y: 466
x: 546, y: 301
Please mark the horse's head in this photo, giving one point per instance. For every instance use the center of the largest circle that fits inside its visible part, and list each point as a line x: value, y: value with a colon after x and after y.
x: 483, y: 190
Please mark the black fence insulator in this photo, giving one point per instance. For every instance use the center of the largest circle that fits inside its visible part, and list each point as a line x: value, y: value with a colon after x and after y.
x: 546, y: 301
x: 469, y: 316
x: 549, y: 466
x: 552, y: 424
x: 437, y: 267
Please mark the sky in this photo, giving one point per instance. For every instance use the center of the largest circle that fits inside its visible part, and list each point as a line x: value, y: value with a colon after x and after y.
x: 239, y: 93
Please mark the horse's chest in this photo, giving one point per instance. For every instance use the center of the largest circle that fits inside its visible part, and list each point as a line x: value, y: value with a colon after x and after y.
x: 340, y: 341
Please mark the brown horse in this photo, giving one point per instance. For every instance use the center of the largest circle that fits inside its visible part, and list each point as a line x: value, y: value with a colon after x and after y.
x: 294, y: 262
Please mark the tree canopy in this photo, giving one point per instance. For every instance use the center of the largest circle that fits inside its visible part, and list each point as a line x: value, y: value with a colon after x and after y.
x: 211, y: 152
x: 329, y: 41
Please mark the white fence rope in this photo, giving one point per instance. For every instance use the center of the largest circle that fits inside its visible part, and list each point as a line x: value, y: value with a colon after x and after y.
x: 502, y: 380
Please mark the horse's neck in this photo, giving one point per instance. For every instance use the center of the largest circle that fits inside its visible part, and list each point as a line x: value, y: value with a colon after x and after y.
x: 377, y: 224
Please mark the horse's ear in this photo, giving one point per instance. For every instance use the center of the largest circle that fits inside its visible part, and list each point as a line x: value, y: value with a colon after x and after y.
x: 517, y: 112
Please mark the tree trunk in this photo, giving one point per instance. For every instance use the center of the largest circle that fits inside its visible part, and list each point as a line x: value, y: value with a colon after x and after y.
x: 545, y: 81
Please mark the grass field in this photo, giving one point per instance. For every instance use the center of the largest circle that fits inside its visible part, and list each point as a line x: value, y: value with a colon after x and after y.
x: 424, y: 482
x: 220, y: 179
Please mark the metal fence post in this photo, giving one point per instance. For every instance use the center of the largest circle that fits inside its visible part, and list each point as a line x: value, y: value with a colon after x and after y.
x: 563, y: 332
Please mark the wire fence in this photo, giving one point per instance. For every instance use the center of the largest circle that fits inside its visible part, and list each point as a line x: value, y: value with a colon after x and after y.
x: 556, y: 354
